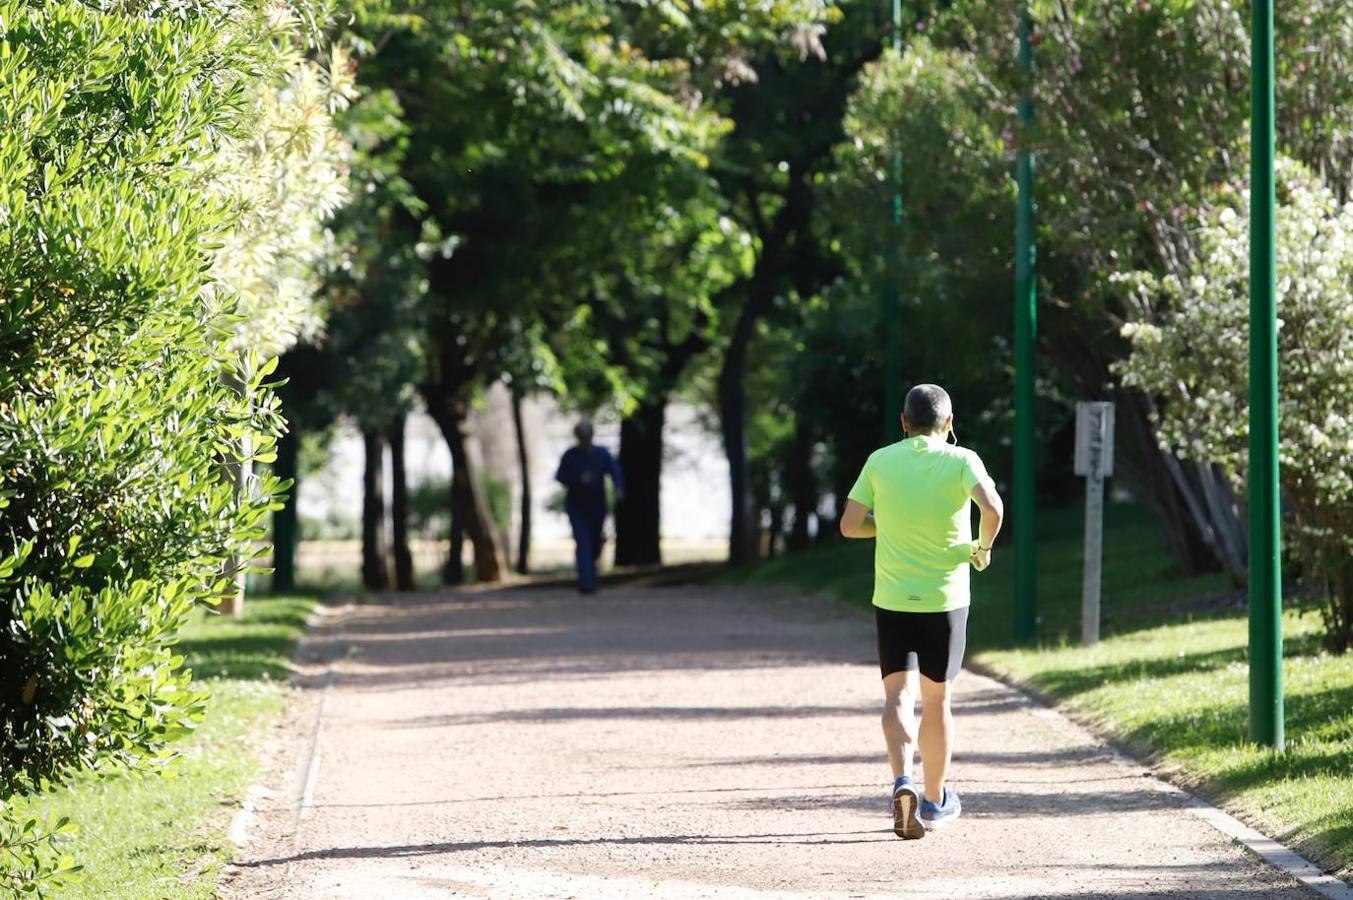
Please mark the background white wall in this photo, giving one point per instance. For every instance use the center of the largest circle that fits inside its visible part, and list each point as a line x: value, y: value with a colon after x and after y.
x: 695, y: 499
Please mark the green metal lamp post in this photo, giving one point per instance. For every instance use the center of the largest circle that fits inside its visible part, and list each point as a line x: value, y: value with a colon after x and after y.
x: 1026, y: 302
x: 892, y: 291
x: 1266, y: 648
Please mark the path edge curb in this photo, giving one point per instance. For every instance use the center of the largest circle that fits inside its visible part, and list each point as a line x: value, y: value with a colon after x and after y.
x: 328, y: 613
x: 1270, y: 850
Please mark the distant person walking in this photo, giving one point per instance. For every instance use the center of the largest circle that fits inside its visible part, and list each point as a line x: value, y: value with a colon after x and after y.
x: 913, y: 496
x: 583, y: 470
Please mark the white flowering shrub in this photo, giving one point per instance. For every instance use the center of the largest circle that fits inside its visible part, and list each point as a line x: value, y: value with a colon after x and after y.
x: 1190, y: 347
x: 283, y: 179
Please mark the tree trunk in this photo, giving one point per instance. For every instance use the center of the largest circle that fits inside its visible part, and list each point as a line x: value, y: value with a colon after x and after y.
x: 742, y: 529
x: 1150, y: 471
x: 777, y: 524
x: 802, y: 489
x: 234, y: 572
x: 454, y: 571
x: 1220, y: 501
x: 374, y: 576
x: 1212, y: 521
x: 767, y: 507
x: 399, y: 509
x: 285, y: 530
x: 638, y: 517
x: 1339, y: 600
x: 469, y: 507
x: 780, y: 255
x: 524, y: 464
x: 841, y: 484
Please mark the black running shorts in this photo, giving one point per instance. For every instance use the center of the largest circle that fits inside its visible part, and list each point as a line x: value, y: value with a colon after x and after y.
x: 932, y: 642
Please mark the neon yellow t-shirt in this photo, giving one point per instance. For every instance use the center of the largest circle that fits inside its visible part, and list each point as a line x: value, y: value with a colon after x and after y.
x: 920, y: 490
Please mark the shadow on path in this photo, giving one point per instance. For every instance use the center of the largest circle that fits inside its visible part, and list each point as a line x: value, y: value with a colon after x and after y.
x: 438, y: 849
x: 677, y: 734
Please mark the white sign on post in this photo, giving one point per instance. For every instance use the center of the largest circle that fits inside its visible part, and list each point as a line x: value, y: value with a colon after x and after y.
x: 1094, y: 461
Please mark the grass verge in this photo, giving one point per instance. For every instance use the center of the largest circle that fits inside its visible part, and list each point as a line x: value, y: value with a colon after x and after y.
x: 167, y: 837
x: 1170, y: 679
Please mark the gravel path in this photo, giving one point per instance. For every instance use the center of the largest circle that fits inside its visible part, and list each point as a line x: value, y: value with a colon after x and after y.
x: 688, y: 743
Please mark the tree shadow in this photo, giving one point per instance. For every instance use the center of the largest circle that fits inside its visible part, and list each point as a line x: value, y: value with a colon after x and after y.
x: 1084, y: 753
x: 404, y: 851
x: 978, y: 803
x: 257, y: 646
x: 1070, y: 682
x: 520, y: 635
x: 545, y: 715
x: 991, y: 702
x: 844, y: 759
x: 587, y: 795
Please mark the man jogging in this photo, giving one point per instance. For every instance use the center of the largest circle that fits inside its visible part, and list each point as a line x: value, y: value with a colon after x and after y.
x: 913, y: 496
x: 583, y: 470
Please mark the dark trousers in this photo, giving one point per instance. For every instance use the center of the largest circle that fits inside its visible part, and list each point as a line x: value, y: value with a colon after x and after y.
x: 588, y: 540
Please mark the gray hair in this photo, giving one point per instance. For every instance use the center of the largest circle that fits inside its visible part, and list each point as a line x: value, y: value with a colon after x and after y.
x: 927, y: 408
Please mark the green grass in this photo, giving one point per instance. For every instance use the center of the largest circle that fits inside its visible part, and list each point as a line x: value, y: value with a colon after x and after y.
x: 1169, y: 681
x: 1141, y: 586
x: 1179, y: 693
x: 157, y: 838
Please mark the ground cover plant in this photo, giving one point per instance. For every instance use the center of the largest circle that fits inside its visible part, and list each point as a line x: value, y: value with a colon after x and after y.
x: 148, y: 838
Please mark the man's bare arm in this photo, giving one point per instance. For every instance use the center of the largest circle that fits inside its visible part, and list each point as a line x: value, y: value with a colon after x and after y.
x: 856, y: 521
x: 993, y: 514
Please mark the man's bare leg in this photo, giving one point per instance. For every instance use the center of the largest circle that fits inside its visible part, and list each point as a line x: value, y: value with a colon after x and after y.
x: 899, y: 721
x: 899, y: 732
x: 937, y: 736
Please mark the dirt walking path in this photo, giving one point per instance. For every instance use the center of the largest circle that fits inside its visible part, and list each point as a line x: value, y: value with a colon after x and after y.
x: 690, y: 743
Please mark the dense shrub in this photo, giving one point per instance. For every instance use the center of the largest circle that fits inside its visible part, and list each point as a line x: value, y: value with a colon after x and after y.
x: 1195, y: 356
x: 120, y: 400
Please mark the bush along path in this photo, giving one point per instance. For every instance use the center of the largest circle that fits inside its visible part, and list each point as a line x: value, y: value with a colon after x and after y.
x: 165, y: 173
x: 692, y: 742
x: 151, y: 838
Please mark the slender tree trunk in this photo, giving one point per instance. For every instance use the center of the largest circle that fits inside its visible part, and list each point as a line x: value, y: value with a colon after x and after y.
x: 374, y: 576
x: 399, y: 508
x: 766, y: 507
x: 802, y: 489
x: 454, y: 571
x: 638, y: 518
x: 469, y: 507
x: 1339, y: 603
x: 1150, y: 469
x: 234, y: 571
x: 777, y: 524
x: 841, y: 483
x: 780, y: 254
x: 524, y: 464
x: 1226, y: 521
x: 733, y: 415
x: 1338, y: 636
x: 285, y: 530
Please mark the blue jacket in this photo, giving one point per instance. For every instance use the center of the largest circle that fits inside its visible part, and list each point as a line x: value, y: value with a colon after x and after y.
x: 583, y: 473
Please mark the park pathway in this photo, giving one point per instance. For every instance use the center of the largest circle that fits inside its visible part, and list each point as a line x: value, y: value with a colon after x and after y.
x: 687, y: 742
